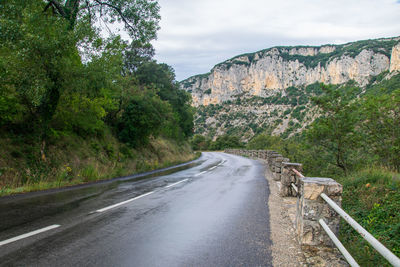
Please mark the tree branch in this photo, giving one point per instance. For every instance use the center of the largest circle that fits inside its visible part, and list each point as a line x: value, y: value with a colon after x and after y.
x: 57, y: 6
x: 119, y: 11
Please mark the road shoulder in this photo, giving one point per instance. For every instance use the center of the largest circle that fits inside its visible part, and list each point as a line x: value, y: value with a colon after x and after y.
x: 285, y: 249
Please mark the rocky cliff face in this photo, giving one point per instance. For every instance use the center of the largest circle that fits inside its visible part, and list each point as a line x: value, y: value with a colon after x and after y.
x: 271, y: 90
x: 395, y: 59
x: 265, y: 72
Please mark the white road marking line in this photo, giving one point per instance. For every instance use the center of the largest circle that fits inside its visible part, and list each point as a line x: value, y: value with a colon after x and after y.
x: 212, y: 168
x: 200, y: 173
x: 29, y: 234
x: 168, y: 186
x: 123, y: 202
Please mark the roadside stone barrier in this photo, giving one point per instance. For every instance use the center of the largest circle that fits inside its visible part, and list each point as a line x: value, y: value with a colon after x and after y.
x: 288, y: 177
x: 310, y: 206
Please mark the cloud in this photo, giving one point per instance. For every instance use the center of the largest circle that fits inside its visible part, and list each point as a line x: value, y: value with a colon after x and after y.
x: 196, y: 35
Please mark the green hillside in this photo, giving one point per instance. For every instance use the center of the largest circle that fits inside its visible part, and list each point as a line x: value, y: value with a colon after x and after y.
x: 76, y: 106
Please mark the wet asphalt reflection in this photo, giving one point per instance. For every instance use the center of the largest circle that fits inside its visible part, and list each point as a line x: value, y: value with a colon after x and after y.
x: 212, y: 212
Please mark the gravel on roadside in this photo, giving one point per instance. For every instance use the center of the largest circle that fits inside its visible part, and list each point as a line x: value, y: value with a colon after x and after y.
x: 285, y: 249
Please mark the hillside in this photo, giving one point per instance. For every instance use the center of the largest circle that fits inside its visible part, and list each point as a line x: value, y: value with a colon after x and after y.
x: 73, y: 160
x: 77, y: 106
x: 272, y: 88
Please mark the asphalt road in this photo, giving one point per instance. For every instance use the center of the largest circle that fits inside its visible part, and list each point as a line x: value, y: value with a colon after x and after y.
x: 213, y: 214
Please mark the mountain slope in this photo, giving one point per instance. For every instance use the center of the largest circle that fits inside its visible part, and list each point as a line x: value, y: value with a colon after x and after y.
x: 271, y: 89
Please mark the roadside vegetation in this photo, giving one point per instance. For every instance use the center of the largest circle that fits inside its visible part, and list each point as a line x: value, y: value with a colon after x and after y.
x: 202, y: 143
x: 80, y: 105
x: 355, y: 141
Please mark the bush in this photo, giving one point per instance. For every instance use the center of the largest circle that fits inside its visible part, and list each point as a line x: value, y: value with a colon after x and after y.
x: 142, y: 117
x: 226, y: 141
x: 200, y: 142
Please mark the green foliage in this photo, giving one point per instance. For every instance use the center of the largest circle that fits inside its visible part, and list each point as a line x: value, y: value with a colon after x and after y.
x: 61, y: 79
x: 382, y: 46
x: 383, y: 87
x: 142, y: 117
x: 162, y: 77
x: 41, y: 55
x: 335, y: 130
x: 298, y: 114
x: 314, y: 89
x: 265, y: 141
x: 140, y: 18
x: 200, y: 142
x: 208, y: 91
x: 352, y: 50
x: 226, y: 141
x: 381, y: 127
x: 371, y: 197
x: 353, y: 139
x: 90, y: 173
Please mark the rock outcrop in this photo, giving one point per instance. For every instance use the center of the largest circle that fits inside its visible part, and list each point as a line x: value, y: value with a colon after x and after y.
x: 395, y: 59
x: 265, y: 72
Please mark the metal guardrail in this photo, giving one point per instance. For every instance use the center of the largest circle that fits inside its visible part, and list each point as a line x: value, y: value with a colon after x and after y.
x: 298, y: 174
x: 386, y: 253
x: 338, y: 244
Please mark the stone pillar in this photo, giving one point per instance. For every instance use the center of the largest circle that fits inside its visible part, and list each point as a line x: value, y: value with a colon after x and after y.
x: 264, y: 154
x: 271, y: 161
x: 269, y: 153
x: 288, y: 177
x: 311, y: 207
x: 277, y: 168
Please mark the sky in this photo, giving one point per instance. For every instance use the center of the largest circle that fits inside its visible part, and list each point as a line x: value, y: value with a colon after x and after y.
x: 195, y: 35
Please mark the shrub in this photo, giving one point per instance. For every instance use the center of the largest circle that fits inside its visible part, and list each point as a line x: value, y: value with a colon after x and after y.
x: 142, y: 117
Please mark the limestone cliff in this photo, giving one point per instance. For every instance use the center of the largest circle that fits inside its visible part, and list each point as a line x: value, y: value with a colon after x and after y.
x: 269, y: 71
x: 395, y: 59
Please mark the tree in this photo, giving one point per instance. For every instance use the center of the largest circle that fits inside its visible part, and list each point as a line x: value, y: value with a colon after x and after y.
x: 41, y: 55
x: 139, y: 17
x: 200, y: 142
x: 226, y: 141
x: 381, y: 126
x: 335, y: 130
x: 136, y: 55
x: 143, y: 117
x: 162, y: 77
x: 265, y: 141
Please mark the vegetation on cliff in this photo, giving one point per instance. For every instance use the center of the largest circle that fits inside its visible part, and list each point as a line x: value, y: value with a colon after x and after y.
x: 383, y: 46
x: 356, y: 141
x: 345, y: 132
x: 76, y: 106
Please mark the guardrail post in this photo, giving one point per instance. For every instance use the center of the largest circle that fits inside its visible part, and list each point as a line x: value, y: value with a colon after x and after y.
x: 311, y: 207
x: 288, y: 177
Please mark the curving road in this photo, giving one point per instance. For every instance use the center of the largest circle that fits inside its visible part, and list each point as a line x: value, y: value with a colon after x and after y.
x: 212, y: 214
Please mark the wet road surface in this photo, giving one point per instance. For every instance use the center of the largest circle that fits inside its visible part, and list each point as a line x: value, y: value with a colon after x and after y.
x: 213, y: 214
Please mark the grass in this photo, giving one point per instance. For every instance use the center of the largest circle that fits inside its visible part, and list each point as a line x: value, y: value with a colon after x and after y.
x: 71, y: 160
x: 372, y: 198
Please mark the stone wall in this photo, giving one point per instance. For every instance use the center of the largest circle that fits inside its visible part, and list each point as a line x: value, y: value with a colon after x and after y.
x: 310, y: 206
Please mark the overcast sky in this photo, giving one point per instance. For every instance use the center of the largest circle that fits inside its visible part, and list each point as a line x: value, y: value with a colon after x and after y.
x: 195, y: 35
